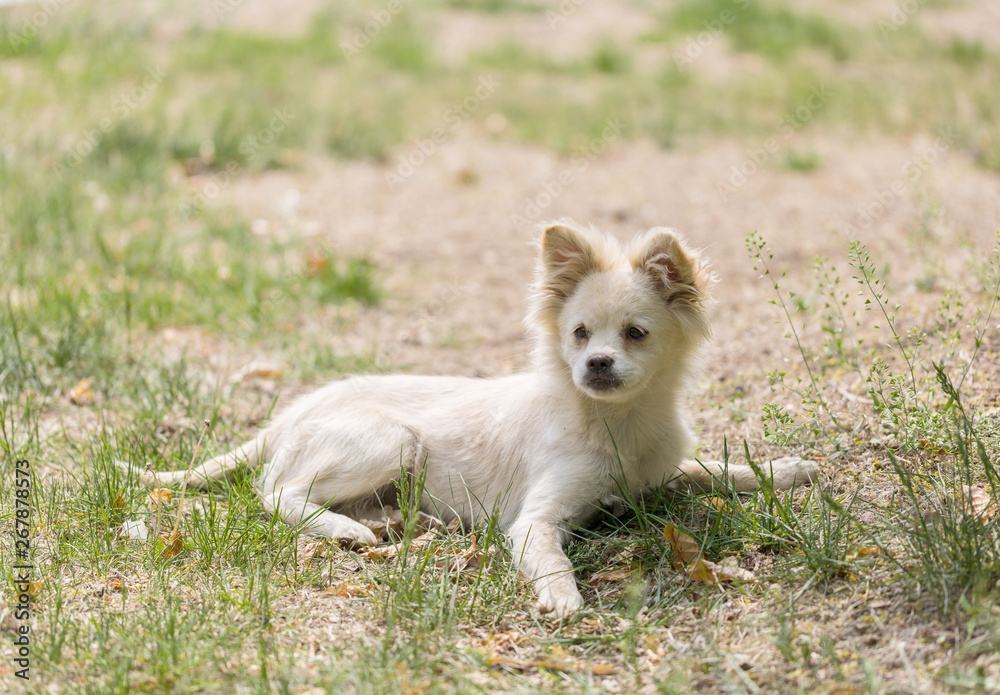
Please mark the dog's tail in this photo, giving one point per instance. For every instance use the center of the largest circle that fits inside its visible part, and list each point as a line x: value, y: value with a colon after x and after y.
x: 222, y: 467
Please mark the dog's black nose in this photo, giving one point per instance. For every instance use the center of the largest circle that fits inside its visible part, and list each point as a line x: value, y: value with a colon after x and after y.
x: 598, y: 364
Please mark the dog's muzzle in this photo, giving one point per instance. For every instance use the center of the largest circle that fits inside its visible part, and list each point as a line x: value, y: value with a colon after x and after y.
x: 601, y: 375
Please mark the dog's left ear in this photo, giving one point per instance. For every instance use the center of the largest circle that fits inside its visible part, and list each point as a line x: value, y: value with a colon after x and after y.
x: 677, y: 270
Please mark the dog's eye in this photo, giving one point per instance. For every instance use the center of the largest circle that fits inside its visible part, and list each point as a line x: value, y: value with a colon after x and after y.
x: 581, y: 333
x: 636, y: 333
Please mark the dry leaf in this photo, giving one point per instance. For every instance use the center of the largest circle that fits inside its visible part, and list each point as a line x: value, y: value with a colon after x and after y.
x: 172, y: 545
x: 7, y: 620
x: 612, y: 575
x: 35, y: 588
x: 559, y: 660
x: 546, y: 662
x: 258, y: 370
x: 381, y: 552
x: 157, y: 496
x: 308, y: 550
x: 977, y: 503
x: 389, y: 523
x: 730, y: 570
x: 461, y: 560
x: 717, y: 503
x: 81, y: 394
x: 385, y: 523
x: 345, y: 590
x: 688, y: 557
x: 701, y: 570
x: 684, y: 548
x: 316, y: 264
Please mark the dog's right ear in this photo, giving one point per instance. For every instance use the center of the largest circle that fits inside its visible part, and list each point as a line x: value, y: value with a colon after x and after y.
x: 567, y: 256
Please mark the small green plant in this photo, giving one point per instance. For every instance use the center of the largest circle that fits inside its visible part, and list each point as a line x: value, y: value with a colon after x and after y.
x: 802, y: 161
x: 932, y: 530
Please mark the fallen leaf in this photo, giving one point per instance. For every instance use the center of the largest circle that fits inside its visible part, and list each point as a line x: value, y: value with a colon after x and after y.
x: 345, y: 590
x: 389, y: 523
x: 546, y: 662
x: 157, y: 496
x: 7, y: 620
x: 471, y: 558
x: 172, y: 545
x: 730, y: 570
x: 381, y: 552
x: 976, y: 502
x: 701, y: 570
x: 309, y: 549
x: 717, y: 503
x: 316, y: 264
x: 711, y: 573
x: 258, y: 370
x: 684, y: 548
x: 559, y: 660
x: 35, y: 588
x: 612, y: 575
x: 81, y: 394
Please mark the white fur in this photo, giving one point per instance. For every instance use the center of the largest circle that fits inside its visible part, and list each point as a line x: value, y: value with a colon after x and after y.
x: 601, y: 408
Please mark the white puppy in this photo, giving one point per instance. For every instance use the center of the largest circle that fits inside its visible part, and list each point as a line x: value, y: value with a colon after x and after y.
x: 615, y: 327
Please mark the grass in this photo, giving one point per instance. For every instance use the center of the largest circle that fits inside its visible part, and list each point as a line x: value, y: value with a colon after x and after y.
x: 116, y: 241
x: 775, y: 32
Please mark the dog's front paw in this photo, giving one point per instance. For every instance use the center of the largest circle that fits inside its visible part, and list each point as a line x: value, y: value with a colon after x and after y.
x: 560, y: 603
x: 793, y: 471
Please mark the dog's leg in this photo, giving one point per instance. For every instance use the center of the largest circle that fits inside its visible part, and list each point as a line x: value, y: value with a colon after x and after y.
x: 704, y: 476
x: 537, y: 539
x: 337, y: 465
x: 294, y: 507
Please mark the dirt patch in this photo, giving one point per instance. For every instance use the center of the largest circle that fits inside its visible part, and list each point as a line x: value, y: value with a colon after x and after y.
x: 456, y: 257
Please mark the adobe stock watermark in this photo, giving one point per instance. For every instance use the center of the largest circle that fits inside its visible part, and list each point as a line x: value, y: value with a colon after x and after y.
x: 388, y: 354
x: 714, y: 28
x: 362, y: 36
x: 270, y: 302
x: 30, y: 26
x: 122, y: 106
x: 224, y: 8
x: 249, y: 148
x: 882, y: 200
x: 454, y: 116
x: 900, y: 15
x: 756, y: 157
x: 565, y: 10
x: 553, y: 187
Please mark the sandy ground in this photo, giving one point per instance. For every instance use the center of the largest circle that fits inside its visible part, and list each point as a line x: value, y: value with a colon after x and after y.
x: 456, y: 258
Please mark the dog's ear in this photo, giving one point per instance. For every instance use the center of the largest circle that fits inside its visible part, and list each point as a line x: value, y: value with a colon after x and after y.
x: 677, y: 270
x: 663, y: 255
x: 567, y: 256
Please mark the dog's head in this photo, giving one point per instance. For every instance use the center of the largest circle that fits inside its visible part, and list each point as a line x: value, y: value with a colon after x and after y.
x: 617, y: 317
